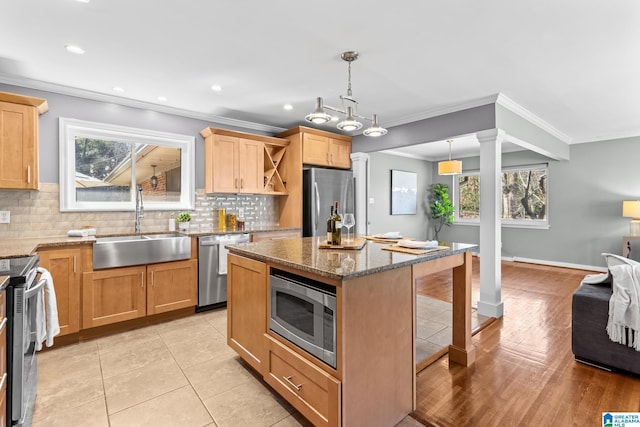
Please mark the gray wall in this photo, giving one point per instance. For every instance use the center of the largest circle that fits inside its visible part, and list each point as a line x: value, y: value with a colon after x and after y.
x: 104, y: 112
x: 584, y: 204
x: 380, y: 218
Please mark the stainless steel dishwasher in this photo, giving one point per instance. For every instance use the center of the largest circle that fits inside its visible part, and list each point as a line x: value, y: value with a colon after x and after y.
x: 212, y: 269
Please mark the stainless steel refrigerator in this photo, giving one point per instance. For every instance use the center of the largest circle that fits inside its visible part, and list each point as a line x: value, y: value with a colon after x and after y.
x: 321, y: 187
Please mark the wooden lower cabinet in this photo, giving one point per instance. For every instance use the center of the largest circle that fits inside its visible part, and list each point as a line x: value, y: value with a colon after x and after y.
x: 113, y: 295
x: 312, y: 391
x: 65, y: 266
x: 171, y: 286
x: 118, y: 294
x: 247, y: 308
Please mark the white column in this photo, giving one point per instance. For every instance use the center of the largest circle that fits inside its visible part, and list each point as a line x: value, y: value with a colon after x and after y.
x: 360, y: 166
x: 490, y: 303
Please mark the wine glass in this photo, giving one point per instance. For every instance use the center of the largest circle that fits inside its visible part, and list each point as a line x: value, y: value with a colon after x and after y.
x: 348, y: 221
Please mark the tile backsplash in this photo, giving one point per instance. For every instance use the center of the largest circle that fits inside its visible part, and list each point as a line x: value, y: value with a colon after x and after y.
x: 37, y: 214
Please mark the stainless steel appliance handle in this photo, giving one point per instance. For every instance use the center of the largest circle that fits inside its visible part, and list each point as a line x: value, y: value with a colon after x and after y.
x: 35, y: 289
x: 315, y: 185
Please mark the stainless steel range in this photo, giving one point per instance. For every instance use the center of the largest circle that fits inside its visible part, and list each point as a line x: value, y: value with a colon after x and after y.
x: 21, y: 338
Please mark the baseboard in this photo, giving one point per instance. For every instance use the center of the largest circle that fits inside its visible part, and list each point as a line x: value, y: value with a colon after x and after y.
x: 561, y: 264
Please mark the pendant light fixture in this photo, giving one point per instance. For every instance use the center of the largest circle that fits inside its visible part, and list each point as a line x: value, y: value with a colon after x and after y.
x: 450, y: 167
x: 349, y: 109
x: 154, y: 178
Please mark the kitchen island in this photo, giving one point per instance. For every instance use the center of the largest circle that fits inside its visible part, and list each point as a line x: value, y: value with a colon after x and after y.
x: 373, y: 381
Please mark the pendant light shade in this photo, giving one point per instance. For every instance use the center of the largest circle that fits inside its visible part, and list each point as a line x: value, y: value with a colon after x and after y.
x: 450, y: 167
x: 375, y: 129
x: 318, y: 117
x: 349, y: 123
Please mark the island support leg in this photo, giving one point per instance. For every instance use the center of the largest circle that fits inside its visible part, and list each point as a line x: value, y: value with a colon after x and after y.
x: 461, y: 350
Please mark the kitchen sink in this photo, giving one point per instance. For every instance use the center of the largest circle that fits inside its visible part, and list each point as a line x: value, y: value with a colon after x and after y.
x: 121, y: 251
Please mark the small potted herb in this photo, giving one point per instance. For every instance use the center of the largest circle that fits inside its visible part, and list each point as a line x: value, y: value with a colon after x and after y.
x: 183, y: 221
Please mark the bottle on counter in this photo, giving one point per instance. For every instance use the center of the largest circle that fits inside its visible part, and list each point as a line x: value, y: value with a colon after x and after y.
x: 240, y: 220
x: 330, y: 226
x: 222, y: 219
x: 336, y: 234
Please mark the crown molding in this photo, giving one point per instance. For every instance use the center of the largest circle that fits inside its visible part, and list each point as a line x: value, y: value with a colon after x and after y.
x: 609, y: 137
x: 127, y: 102
x: 518, y: 109
x: 439, y: 111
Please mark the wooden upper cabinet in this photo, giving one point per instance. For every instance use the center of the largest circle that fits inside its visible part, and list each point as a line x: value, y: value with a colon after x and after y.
x: 322, y: 148
x: 19, y: 140
x: 340, y: 153
x: 239, y: 162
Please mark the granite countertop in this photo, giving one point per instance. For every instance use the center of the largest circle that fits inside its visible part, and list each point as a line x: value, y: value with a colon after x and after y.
x: 303, y: 254
x: 14, y: 248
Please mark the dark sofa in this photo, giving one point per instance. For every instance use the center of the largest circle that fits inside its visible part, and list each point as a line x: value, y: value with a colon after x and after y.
x: 589, y: 339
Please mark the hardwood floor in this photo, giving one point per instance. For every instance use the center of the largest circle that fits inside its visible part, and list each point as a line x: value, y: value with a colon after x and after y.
x: 525, y: 373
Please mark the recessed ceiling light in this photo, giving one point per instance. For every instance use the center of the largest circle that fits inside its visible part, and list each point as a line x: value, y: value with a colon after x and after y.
x: 74, y: 49
x: 288, y: 107
x: 216, y: 88
x: 162, y: 98
x: 118, y: 89
x: 83, y: 1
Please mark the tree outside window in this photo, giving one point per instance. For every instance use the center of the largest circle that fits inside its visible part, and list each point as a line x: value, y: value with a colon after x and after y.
x: 524, y: 196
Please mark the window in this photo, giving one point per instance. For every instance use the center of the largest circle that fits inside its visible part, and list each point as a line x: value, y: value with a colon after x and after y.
x: 524, y: 197
x: 101, y: 165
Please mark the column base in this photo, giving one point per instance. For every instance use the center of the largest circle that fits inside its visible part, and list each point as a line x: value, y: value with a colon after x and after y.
x: 491, y: 310
x: 461, y: 356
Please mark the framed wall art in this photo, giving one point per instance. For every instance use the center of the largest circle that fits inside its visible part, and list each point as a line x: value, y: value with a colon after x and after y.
x: 404, y: 189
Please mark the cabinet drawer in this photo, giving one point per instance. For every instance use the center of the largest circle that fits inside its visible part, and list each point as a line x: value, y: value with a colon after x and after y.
x: 274, y: 235
x: 313, y: 392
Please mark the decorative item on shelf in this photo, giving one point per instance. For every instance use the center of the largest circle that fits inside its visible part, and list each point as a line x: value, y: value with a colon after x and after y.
x: 631, y: 209
x: 154, y: 178
x: 183, y: 220
x: 349, y: 108
x: 450, y: 167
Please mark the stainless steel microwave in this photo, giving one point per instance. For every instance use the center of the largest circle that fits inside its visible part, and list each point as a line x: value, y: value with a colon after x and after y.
x: 303, y: 311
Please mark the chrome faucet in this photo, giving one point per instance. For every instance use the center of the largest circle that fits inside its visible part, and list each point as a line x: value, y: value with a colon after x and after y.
x: 139, y: 208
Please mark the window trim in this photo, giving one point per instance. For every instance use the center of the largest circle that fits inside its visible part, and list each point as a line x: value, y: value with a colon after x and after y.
x: 71, y: 128
x: 509, y: 223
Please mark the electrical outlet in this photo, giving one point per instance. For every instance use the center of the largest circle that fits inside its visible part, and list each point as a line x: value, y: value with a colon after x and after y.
x: 5, y: 217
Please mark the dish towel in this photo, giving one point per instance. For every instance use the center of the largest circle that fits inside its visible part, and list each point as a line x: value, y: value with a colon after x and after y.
x: 623, y: 325
x: 50, y: 310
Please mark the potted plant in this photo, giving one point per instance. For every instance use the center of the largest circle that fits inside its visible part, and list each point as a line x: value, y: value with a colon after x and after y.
x: 441, y: 207
x: 183, y: 220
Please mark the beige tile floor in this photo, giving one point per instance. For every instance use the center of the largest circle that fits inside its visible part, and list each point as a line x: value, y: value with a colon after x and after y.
x: 179, y: 373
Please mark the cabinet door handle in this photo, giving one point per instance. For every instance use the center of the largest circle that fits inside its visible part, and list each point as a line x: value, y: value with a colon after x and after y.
x: 74, y: 263
x: 235, y: 184
x: 241, y: 183
x: 292, y: 384
x: 29, y: 174
x: 142, y: 276
x: 328, y: 161
x: 153, y: 282
x: 331, y: 157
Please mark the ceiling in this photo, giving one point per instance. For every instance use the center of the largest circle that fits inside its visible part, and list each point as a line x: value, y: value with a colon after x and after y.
x: 575, y: 64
